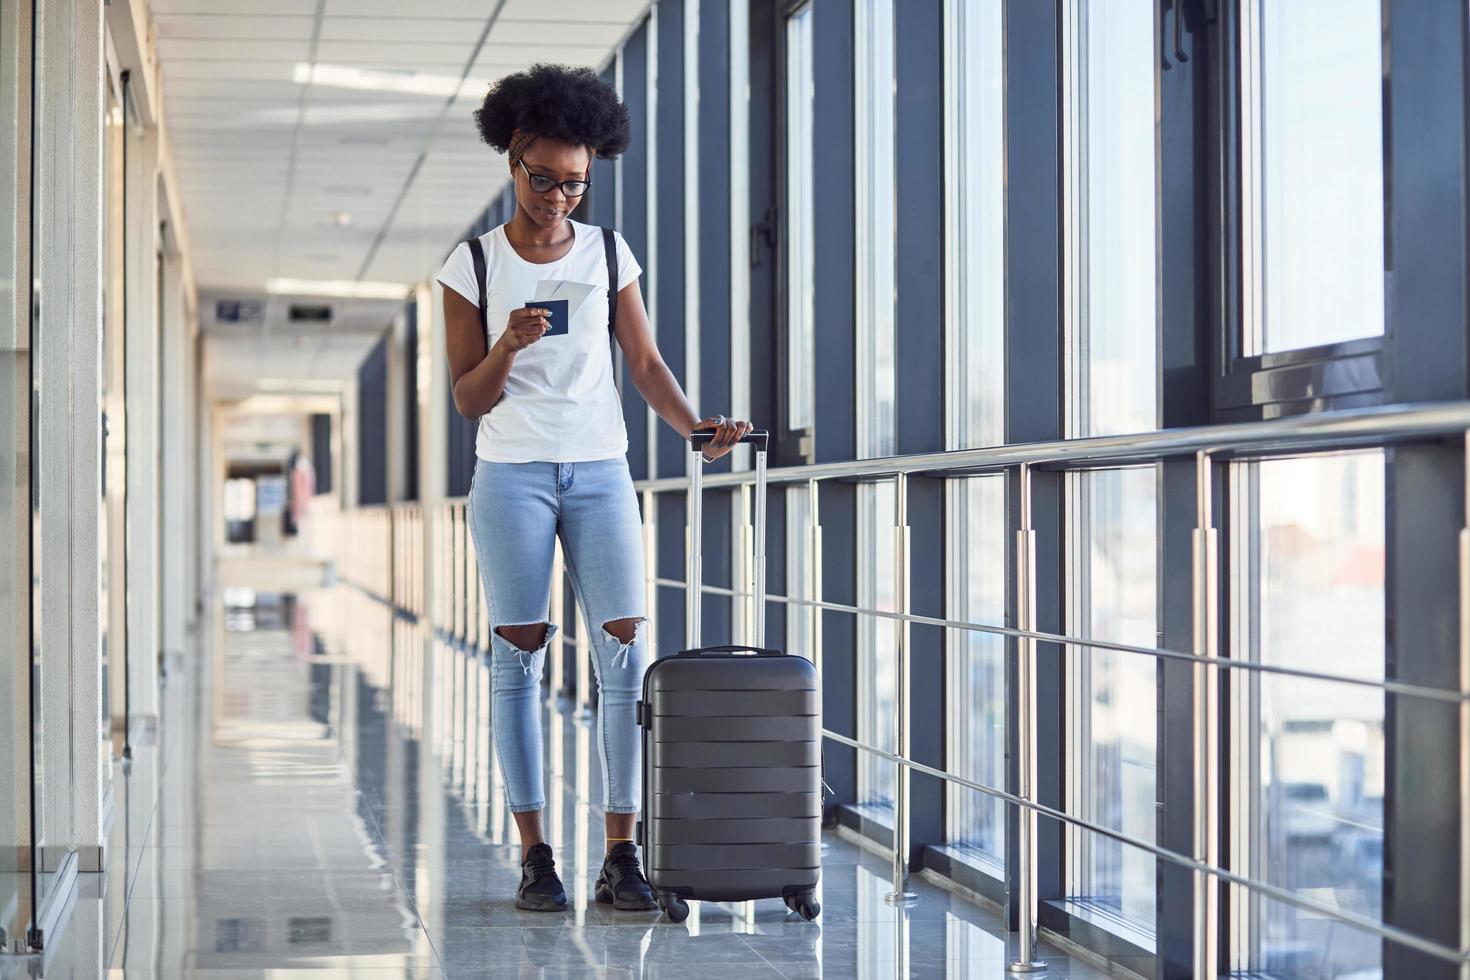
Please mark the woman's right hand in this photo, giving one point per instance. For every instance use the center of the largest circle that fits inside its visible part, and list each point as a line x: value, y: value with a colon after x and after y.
x: 524, y: 328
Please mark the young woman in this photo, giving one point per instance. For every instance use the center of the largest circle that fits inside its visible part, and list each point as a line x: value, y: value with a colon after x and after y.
x: 551, y: 451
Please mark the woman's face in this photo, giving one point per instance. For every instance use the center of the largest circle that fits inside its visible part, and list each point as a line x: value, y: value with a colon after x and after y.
x: 558, y: 160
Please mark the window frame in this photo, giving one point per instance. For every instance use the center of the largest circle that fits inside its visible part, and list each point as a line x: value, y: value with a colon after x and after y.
x: 789, y: 446
x: 1246, y: 386
x: 960, y: 302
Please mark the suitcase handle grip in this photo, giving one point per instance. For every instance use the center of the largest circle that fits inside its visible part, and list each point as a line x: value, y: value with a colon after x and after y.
x: 732, y: 648
x: 757, y: 437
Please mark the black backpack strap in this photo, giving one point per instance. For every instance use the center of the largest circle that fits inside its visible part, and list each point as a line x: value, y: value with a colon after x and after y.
x: 477, y: 254
x: 610, y: 248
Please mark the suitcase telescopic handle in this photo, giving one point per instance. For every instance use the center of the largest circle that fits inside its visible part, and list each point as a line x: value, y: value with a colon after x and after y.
x: 759, y: 438
x: 756, y: 437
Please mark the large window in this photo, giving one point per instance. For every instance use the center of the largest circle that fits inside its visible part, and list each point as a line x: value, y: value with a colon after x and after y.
x: 977, y: 667
x: 1308, y: 554
x: 801, y: 232
x: 876, y: 406
x: 1112, y: 533
x: 1112, y: 595
x: 975, y: 381
x: 1312, y: 158
x: 16, y: 886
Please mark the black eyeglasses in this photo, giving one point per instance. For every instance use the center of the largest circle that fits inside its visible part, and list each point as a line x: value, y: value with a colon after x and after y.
x: 540, y: 183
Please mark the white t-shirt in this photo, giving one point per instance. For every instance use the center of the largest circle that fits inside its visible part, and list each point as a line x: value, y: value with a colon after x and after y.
x: 561, y: 404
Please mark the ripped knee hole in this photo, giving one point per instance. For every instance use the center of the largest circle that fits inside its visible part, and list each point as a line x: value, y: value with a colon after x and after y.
x: 623, y: 630
x: 526, y: 637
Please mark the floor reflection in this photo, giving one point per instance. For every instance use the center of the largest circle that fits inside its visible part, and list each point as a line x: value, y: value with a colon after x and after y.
x: 326, y: 800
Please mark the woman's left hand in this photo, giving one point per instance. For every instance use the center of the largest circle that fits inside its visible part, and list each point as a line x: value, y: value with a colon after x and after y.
x: 728, y: 432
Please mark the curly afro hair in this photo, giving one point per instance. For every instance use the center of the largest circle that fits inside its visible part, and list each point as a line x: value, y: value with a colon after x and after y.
x: 558, y: 101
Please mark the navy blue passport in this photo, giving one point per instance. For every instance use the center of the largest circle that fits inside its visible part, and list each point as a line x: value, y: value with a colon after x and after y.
x: 560, y: 314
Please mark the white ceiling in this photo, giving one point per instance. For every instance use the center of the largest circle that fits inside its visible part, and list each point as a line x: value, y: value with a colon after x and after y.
x: 268, y: 151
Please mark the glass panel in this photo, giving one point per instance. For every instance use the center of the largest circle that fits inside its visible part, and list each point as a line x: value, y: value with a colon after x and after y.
x: 17, y: 797
x: 800, y: 230
x: 1111, y: 222
x: 1112, y: 594
x: 877, y: 233
x: 975, y: 120
x: 977, y: 707
x: 114, y: 436
x: 15, y: 639
x: 798, y: 570
x: 1112, y: 516
x: 877, y: 658
x: 1321, y: 171
x: 1312, y: 564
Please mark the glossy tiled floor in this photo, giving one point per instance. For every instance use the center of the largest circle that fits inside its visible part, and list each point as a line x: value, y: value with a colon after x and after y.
x: 290, y: 815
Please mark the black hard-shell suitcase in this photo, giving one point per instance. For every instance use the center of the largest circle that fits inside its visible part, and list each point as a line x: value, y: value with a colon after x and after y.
x: 732, y: 756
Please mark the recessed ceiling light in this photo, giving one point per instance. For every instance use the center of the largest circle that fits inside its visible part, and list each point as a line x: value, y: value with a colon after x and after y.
x: 340, y: 218
x: 345, y: 288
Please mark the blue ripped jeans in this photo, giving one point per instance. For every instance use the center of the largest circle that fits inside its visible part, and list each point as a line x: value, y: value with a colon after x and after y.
x: 516, y: 512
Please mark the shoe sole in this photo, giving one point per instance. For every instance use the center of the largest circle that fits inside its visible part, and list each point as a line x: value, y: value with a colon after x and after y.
x: 605, y: 896
x: 542, y: 905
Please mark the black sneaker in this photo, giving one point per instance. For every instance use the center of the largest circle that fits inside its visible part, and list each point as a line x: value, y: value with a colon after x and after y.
x: 541, y: 889
x: 621, y: 883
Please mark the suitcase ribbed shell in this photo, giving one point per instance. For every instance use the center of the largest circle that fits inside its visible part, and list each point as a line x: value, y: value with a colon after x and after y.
x: 732, y: 766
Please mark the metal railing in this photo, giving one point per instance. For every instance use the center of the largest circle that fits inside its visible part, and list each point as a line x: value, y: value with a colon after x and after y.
x: 1207, y: 446
x: 438, y: 527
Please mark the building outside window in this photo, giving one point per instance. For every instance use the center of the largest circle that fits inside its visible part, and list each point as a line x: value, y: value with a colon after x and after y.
x: 1309, y: 567
x: 1313, y: 174
x: 876, y: 392
x: 1111, y: 533
x: 801, y: 231
x: 976, y: 518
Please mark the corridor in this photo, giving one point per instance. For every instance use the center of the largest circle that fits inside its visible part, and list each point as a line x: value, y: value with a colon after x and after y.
x: 292, y: 815
x: 1089, y: 384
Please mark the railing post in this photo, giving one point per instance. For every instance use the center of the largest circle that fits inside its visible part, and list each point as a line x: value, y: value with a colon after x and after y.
x: 1026, y: 961
x: 583, y: 647
x: 814, y: 575
x: 759, y: 550
x: 745, y: 570
x: 693, y: 589
x: 650, y: 565
x: 1206, y: 726
x: 1465, y: 725
x: 901, y: 894
x: 814, y: 591
x: 558, y: 609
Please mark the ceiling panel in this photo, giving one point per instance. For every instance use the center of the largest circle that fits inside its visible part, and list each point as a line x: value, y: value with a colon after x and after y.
x: 393, y: 53
x: 402, y: 29
x: 472, y: 9
x: 596, y: 33
x: 171, y: 49
x: 571, y: 11
x: 264, y: 87
x: 529, y: 52
x: 218, y: 7
x: 238, y: 70
x: 235, y: 27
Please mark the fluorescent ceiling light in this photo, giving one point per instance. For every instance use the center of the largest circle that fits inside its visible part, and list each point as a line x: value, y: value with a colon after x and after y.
x: 340, y: 288
x: 376, y: 80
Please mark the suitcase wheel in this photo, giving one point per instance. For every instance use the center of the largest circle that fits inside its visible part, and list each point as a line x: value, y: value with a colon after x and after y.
x: 804, y: 904
x: 674, y: 907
